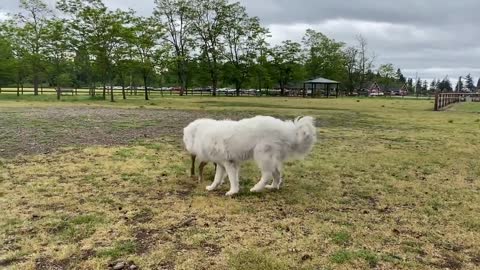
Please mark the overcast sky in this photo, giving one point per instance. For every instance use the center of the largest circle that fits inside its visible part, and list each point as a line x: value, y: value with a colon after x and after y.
x: 431, y: 37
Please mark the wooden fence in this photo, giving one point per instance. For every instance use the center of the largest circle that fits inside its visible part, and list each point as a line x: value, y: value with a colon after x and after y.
x: 443, y: 100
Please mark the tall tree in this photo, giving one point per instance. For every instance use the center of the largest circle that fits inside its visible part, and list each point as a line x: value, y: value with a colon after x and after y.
x: 209, y: 21
x: 7, y: 60
x: 350, y: 56
x: 244, y: 38
x: 459, y: 86
x: 176, y: 16
x: 87, y: 27
x: 365, y: 62
x: 400, y: 76
x: 424, y: 87
x: 325, y: 56
x: 146, y: 36
x: 56, y: 51
x: 469, y: 83
x: 32, y: 21
x: 478, y: 84
x: 387, y: 75
x: 286, y: 63
x: 410, y: 85
x: 418, y: 87
x: 433, y: 85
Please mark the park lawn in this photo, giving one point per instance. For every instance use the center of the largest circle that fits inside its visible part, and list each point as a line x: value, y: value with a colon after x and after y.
x: 389, y: 185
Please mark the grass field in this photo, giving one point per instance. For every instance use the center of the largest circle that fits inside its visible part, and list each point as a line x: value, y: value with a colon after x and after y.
x: 390, y: 185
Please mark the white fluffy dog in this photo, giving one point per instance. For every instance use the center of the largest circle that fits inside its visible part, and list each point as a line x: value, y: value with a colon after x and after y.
x: 267, y: 140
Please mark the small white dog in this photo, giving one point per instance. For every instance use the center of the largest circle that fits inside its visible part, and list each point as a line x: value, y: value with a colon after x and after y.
x: 267, y: 140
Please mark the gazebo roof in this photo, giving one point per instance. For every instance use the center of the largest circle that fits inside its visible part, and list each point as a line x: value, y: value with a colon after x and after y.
x: 321, y: 80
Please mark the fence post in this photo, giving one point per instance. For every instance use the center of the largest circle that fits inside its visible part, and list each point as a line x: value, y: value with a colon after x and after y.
x: 437, y: 96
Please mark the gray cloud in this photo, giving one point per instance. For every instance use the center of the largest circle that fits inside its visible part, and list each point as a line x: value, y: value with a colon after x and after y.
x: 431, y: 37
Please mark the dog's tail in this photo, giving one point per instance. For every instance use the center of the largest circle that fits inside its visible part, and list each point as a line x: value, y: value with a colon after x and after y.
x: 306, y: 136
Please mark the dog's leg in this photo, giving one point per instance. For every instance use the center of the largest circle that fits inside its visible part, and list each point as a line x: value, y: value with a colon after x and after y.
x: 192, y: 169
x: 219, y: 176
x: 200, y: 171
x: 224, y: 175
x: 266, y: 176
x: 277, y: 179
x: 264, y: 156
x: 232, y: 171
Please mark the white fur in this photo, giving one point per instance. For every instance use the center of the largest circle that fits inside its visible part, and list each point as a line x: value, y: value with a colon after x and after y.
x: 267, y: 140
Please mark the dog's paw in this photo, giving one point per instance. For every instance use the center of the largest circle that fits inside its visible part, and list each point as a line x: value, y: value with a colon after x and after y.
x: 210, y: 188
x: 231, y: 193
x: 256, y: 189
x: 272, y: 187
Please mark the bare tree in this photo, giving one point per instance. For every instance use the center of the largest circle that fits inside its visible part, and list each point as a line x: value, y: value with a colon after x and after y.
x: 364, y: 62
x: 351, y: 54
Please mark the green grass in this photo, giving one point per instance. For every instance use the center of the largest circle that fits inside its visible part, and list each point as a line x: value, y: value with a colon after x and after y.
x: 389, y: 185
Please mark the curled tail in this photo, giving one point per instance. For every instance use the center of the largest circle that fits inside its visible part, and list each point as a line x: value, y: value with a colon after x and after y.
x: 306, y: 135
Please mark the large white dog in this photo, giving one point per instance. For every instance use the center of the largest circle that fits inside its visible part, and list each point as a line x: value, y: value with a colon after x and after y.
x: 267, y: 140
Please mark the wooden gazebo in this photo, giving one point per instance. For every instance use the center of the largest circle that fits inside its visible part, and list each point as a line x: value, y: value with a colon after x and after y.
x: 318, y: 84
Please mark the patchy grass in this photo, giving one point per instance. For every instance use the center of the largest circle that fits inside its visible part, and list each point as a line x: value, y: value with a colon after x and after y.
x: 389, y: 185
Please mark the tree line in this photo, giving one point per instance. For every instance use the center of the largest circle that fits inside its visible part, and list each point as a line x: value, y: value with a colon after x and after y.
x: 186, y: 43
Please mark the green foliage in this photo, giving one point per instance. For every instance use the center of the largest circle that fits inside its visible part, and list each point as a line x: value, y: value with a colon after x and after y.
x: 325, y: 56
x: 186, y: 43
x: 286, y: 63
x: 469, y: 83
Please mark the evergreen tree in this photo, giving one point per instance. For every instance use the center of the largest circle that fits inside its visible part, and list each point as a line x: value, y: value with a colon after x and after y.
x: 418, y: 86
x: 459, y: 86
x: 425, y: 87
x: 410, y: 85
x: 469, y: 83
x: 400, y: 76
x: 478, y: 84
x: 433, y: 85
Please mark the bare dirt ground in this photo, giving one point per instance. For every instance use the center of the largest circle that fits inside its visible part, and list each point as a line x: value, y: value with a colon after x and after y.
x: 43, y: 130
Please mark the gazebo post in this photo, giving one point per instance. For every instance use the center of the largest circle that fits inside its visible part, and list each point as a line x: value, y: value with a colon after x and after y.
x: 304, y: 90
x: 336, y: 91
x: 328, y: 90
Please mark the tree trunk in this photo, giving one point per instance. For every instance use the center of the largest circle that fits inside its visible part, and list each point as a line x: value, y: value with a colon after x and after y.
x: 104, y: 90
x: 58, y: 92
x: 18, y: 89
x: 21, y: 85
x: 237, y: 88
x: 35, y: 84
x: 123, y: 90
x: 112, y: 99
x: 146, y: 87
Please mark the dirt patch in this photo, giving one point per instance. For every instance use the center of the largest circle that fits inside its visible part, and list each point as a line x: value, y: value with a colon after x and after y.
x: 48, y: 264
x: 476, y: 259
x: 145, y: 239
x: 43, y: 130
x: 449, y: 262
x: 211, y: 249
x: 165, y: 266
x: 9, y: 261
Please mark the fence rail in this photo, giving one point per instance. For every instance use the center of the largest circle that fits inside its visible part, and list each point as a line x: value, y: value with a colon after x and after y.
x: 443, y: 100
